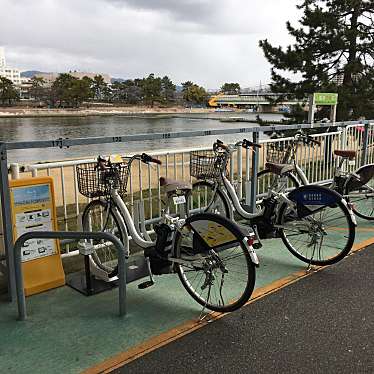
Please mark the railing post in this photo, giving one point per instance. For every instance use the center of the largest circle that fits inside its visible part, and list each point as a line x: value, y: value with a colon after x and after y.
x: 365, y: 143
x: 14, y: 171
x: 255, y: 160
x: 240, y: 172
x: 7, y: 222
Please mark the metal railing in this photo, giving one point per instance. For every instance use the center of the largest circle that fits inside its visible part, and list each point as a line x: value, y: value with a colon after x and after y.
x: 144, y: 179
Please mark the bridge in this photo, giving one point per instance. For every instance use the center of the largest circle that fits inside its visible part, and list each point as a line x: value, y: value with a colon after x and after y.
x: 259, y: 101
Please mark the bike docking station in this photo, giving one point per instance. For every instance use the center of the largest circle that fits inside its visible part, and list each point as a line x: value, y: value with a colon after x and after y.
x: 93, y: 280
x: 129, y: 268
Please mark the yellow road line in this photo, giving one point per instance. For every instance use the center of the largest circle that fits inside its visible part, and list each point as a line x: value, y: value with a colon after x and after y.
x: 169, y: 336
x: 358, y: 229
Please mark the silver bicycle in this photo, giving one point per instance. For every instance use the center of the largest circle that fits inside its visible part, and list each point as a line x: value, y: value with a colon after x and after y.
x: 213, y: 257
x: 314, y: 222
x: 356, y: 187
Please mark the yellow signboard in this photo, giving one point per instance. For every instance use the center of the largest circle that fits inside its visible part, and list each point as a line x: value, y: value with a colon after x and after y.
x: 33, y: 209
x: 213, y: 233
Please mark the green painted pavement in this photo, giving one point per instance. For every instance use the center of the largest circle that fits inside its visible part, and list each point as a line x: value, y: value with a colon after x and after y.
x: 67, y: 332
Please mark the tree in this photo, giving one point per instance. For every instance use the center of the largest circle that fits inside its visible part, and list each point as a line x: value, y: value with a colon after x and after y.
x: 231, y: 88
x: 70, y: 91
x: 151, y: 89
x: 100, y: 88
x: 335, y: 40
x: 167, y: 89
x: 38, y: 89
x: 194, y: 94
x: 8, y: 93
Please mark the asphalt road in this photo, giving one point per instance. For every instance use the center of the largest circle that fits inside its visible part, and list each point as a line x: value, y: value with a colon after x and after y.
x: 323, y: 323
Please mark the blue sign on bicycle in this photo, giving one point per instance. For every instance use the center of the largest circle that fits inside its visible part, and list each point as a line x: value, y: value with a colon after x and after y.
x: 314, y: 195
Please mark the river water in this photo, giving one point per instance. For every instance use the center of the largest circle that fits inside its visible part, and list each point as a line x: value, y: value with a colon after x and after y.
x: 25, y: 129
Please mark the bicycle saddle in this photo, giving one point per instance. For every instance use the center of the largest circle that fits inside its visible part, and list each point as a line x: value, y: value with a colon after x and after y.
x: 345, y: 153
x: 279, y: 168
x: 171, y: 185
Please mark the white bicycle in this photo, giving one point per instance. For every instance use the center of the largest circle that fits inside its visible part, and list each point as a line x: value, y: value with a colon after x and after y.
x: 213, y: 257
x: 314, y: 222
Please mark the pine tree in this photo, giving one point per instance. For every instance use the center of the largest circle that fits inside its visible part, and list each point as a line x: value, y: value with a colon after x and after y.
x: 335, y: 41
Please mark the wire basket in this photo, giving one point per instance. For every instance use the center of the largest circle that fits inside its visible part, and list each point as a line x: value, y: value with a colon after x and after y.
x: 277, y: 152
x: 206, y: 164
x: 93, y: 182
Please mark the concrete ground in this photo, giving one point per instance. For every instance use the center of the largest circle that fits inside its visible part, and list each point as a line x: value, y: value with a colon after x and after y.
x: 67, y: 332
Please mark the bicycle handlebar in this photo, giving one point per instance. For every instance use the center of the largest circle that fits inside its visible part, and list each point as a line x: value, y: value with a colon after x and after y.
x: 147, y: 158
x: 248, y: 144
x: 306, y: 139
x: 219, y: 144
x: 244, y: 143
x: 104, y: 163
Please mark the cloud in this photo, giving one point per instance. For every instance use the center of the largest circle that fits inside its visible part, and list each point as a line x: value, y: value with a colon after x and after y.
x: 206, y: 41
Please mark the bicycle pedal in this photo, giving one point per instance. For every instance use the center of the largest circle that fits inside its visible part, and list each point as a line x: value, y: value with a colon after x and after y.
x: 145, y: 284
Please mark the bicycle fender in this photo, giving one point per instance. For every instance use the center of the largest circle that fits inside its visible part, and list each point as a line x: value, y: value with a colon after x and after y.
x: 349, y: 207
x: 252, y: 253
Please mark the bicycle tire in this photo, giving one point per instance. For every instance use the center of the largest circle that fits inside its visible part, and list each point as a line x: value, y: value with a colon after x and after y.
x: 231, y: 267
x: 105, y: 256
x: 333, y: 251
x: 361, y: 197
x: 200, y: 192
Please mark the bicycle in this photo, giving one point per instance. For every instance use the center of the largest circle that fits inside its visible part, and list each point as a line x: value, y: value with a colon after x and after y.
x: 310, y: 219
x: 213, y: 257
x: 356, y: 187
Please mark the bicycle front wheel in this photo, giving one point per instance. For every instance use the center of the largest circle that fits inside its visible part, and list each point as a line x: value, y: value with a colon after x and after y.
x: 98, y: 217
x: 201, y: 199
x: 214, y: 264
x: 360, y: 195
x: 321, y: 238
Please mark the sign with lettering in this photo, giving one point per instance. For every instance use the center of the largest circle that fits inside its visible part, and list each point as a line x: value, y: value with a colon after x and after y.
x: 33, y: 209
x: 321, y: 98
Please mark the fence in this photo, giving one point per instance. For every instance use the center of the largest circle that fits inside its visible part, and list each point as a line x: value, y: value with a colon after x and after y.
x: 143, y: 183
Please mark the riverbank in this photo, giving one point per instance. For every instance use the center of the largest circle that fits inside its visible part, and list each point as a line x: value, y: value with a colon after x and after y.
x: 25, y: 112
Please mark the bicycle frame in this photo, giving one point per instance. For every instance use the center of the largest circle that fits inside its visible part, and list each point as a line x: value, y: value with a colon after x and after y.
x: 230, y: 196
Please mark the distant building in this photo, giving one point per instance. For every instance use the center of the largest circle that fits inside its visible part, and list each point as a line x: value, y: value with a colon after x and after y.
x: 8, y: 72
x: 2, y: 58
x: 338, y: 79
x: 80, y: 75
x: 48, y: 78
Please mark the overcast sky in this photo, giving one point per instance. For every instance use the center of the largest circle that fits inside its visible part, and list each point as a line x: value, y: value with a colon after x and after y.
x: 206, y: 41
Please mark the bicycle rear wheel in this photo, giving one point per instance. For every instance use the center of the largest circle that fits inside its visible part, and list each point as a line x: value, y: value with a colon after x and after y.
x: 98, y: 217
x: 201, y: 199
x: 266, y: 179
x: 321, y: 238
x: 214, y: 264
x: 361, y: 196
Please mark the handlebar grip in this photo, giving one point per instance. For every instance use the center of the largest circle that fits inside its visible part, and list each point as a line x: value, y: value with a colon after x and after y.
x: 220, y: 144
x: 247, y: 144
x: 317, y: 142
x: 147, y: 158
x: 311, y: 139
x: 101, y: 161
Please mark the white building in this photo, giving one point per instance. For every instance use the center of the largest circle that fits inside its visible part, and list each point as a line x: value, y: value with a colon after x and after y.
x: 8, y: 72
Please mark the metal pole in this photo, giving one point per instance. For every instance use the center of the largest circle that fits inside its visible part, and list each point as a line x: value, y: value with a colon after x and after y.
x: 311, y: 110
x: 7, y: 221
x: 21, y: 301
x: 255, y: 160
x: 365, y: 143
